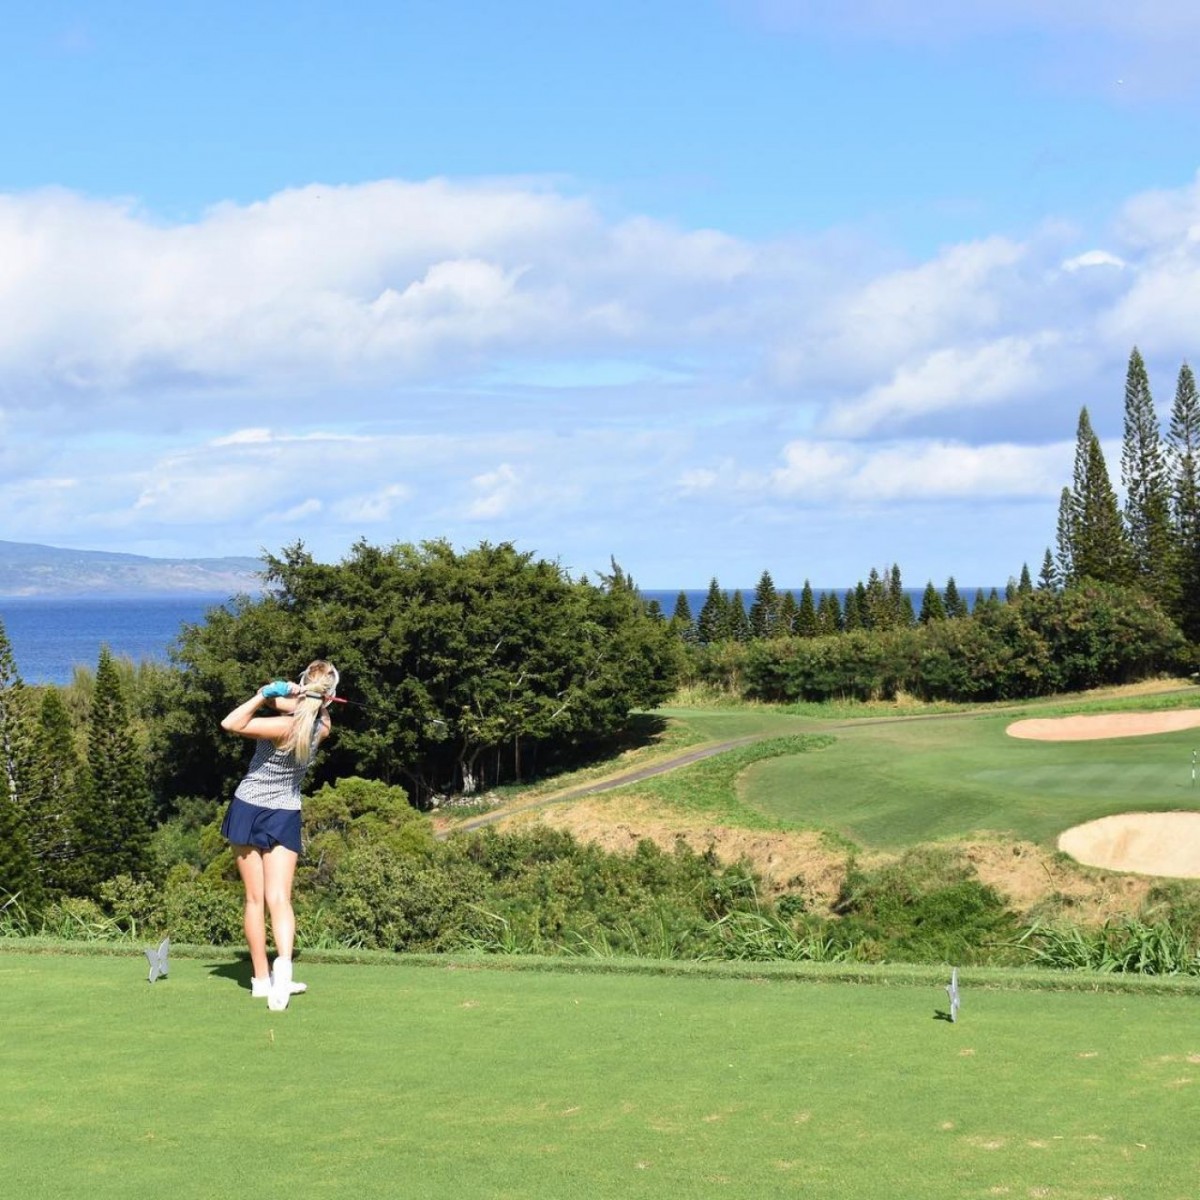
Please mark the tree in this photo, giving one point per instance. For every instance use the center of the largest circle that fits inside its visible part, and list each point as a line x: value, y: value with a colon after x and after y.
x: 830, y: 618
x: 737, y: 621
x: 1048, y: 578
x: 1183, y: 454
x: 932, y: 608
x: 1098, y: 547
x: 470, y: 667
x: 114, y: 820
x: 808, y: 623
x: 955, y: 605
x: 903, y: 614
x: 54, y: 801
x: 1147, y: 493
x: 764, y: 610
x: 18, y: 872
x: 1025, y: 583
x: 788, y: 613
x: 1065, y: 538
x: 681, y: 618
x: 852, y: 610
x: 712, y: 621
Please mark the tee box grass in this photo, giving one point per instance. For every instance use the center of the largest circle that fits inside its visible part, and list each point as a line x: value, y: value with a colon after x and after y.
x: 460, y: 1081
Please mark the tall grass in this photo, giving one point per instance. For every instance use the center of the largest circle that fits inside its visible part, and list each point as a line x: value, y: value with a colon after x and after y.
x: 1124, y: 946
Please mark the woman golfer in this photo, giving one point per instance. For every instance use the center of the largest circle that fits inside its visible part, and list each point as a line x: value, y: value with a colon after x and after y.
x: 263, y: 821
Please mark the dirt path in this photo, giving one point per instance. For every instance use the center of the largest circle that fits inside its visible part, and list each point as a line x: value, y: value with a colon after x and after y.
x: 696, y: 754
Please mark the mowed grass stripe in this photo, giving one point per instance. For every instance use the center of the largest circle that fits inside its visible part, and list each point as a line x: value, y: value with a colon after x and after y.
x: 465, y: 1083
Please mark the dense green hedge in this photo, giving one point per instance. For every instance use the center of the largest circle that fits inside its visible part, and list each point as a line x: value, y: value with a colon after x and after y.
x: 1040, y: 643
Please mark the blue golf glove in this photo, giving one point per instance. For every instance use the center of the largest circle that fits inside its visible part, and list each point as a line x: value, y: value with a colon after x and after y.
x: 277, y: 688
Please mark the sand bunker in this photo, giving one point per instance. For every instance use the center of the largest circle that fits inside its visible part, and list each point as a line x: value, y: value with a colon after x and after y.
x: 1104, y: 725
x: 1165, y: 843
x: 1148, y: 843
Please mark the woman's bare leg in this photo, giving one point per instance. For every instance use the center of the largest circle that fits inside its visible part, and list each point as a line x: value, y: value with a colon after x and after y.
x: 279, y: 868
x: 251, y: 869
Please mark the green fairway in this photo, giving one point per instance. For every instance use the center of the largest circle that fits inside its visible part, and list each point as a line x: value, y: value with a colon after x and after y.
x: 892, y: 784
x: 392, y: 1081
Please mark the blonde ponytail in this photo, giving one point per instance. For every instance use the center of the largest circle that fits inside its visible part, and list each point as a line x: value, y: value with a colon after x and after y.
x: 319, y: 686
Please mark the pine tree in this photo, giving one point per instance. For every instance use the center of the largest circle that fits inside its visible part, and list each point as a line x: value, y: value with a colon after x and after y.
x: 900, y: 601
x: 737, y: 620
x: 55, y: 805
x: 764, y: 611
x: 1065, y: 538
x: 1147, y: 493
x: 807, y: 622
x: 711, y: 623
x: 1091, y: 534
x: 1183, y: 442
x: 115, y: 816
x: 788, y: 614
x: 853, y: 616
x: 875, y: 605
x: 681, y: 618
x: 1101, y: 548
x: 956, y: 606
x: 18, y: 872
x: 830, y: 619
x: 1048, y: 576
x: 932, y: 608
x: 1025, y: 583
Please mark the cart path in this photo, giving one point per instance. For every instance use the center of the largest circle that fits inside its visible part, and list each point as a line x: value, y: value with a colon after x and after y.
x: 696, y: 754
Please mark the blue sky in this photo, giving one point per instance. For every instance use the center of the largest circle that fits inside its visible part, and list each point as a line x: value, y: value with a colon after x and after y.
x: 709, y: 288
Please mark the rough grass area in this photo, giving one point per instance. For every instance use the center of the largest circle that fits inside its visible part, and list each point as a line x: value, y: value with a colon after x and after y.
x: 458, y: 1082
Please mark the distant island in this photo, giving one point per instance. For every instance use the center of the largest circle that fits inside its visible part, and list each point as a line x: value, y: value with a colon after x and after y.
x: 28, y: 569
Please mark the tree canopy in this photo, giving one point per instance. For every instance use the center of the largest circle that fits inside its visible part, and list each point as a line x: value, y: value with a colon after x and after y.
x: 465, y: 668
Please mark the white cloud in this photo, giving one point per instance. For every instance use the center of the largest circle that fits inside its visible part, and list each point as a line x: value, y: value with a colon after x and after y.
x: 374, y: 507
x: 1092, y: 258
x: 496, y: 493
x: 914, y: 471
x: 952, y: 379
x: 1160, y: 310
x: 406, y: 360
x: 382, y: 281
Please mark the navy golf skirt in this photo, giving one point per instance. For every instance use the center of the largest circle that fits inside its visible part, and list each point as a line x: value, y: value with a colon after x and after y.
x: 264, y: 828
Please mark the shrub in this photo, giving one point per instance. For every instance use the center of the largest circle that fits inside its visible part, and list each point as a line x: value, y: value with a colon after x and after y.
x: 198, y: 908
x: 925, y: 906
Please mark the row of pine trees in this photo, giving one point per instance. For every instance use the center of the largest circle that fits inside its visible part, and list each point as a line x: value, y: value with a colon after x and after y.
x: 880, y: 603
x: 71, y: 816
x: 1151, y: 542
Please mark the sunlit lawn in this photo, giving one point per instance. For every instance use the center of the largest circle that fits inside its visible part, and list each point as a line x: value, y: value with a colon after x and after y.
x: 437, y: 1082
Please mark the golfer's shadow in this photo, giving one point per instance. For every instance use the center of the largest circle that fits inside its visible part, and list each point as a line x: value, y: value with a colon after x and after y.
x: 241, y: 970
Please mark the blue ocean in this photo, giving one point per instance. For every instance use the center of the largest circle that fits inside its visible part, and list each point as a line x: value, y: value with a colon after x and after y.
x: 50, y: 637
